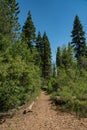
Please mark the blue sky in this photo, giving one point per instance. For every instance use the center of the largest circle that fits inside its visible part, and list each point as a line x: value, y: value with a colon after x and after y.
x: 55, y: 17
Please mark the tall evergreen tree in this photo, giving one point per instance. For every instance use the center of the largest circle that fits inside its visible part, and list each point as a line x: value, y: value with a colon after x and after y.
x: 13, y: 8
x: 58, y: 57
x: 64, y: 57
x: 28, y: 31
x: 70, y: 55
x: 86, y: 51
x: 67, y: 56
x: 9, y: 25
x: 40, y: 45
x: 39, y: 42
x: 78, y: 38
x: 3, y: 20
x: 39, y: 49
x: 46, y: 66
x: 54, y: 70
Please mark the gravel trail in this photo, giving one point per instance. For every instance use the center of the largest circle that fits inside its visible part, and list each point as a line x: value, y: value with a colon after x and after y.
x: 44, y: 117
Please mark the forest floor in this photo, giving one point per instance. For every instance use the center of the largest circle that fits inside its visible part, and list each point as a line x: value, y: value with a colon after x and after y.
x: 44, y: 116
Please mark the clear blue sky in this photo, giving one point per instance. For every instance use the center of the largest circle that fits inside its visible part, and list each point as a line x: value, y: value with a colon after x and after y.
x: 55, y: 17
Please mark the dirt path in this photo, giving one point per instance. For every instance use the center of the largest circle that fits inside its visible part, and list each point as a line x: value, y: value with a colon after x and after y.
x: 44, y: 117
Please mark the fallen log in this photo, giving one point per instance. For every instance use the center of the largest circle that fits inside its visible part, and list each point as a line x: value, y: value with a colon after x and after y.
x: 2, y: 121
x: 29, y: 109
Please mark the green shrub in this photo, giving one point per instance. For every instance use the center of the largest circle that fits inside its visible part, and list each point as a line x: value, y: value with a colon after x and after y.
x: 72, y: 90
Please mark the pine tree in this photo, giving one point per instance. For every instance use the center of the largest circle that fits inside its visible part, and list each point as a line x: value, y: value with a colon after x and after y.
x: 54, y: 70
x: 28, y: 31
x: 13, y: 8
x: 67, y: 56
x: 9, y: 25
x: 86, y: 51
x: 78, y: 38
x: 3, y: 20
x: 58, y: 57
x: 40, y: 47
x: 39, y: 42
x: 19, y: 76
x: 64, y: 57
x: 70, y: 55
x: 46, y: 59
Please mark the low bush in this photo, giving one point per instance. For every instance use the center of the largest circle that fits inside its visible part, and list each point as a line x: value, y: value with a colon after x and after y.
x: 72, y: 88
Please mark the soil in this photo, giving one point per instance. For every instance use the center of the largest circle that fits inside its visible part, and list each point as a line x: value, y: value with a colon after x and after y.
x: 44, y: 116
